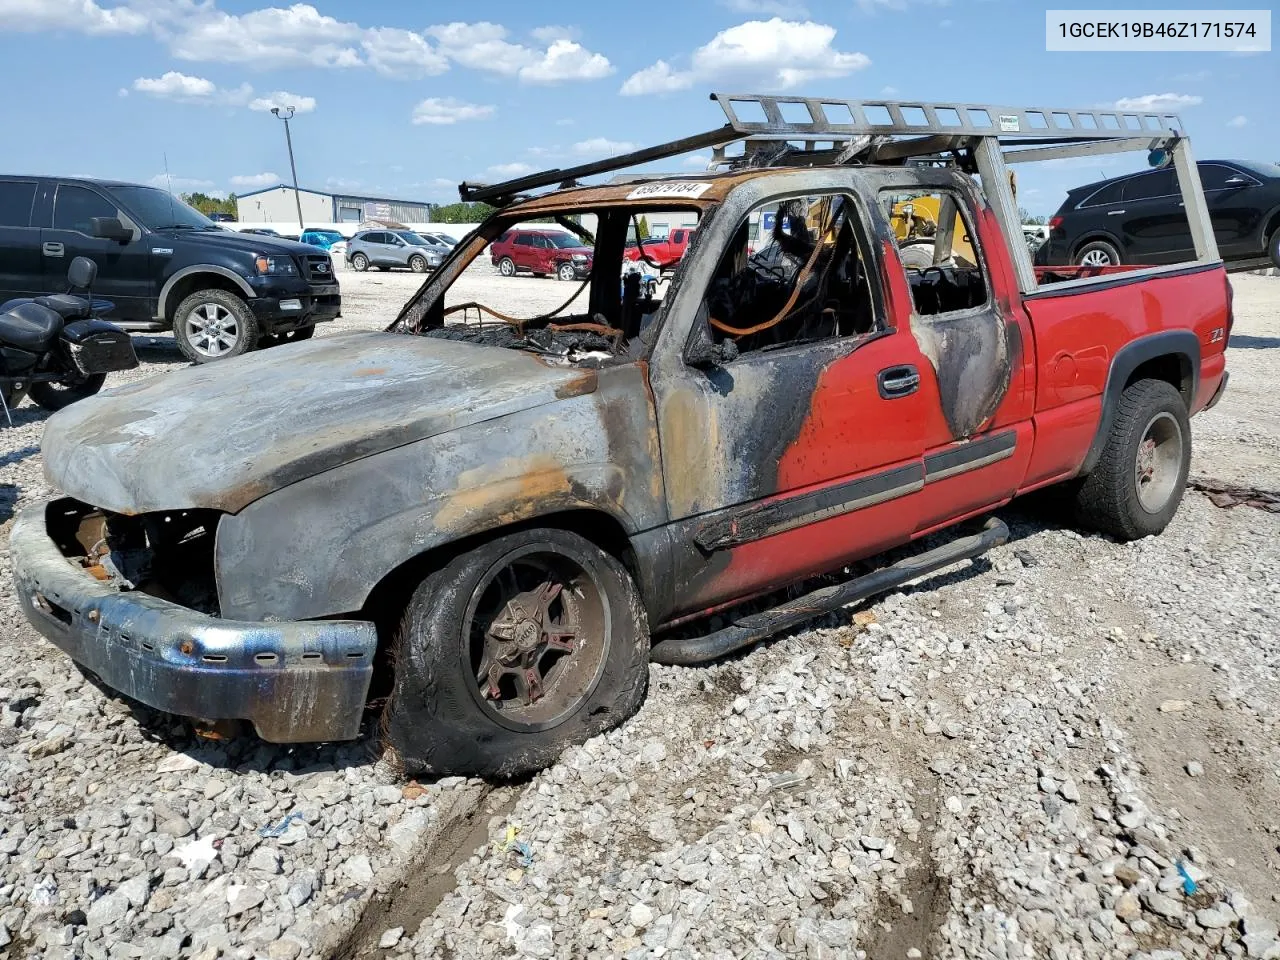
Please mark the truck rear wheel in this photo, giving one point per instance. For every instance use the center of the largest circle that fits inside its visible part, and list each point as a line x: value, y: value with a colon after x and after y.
x: 214, y: 325
x: 1138, y: 482
x: 512, y: 652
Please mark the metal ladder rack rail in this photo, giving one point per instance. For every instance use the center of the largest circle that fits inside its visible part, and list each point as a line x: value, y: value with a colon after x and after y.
x: 913, y: 129
x: 939, y: 119
x: 936, y: 126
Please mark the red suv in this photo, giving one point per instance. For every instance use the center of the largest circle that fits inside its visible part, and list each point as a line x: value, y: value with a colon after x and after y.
x: 541, y: 252
x: 665, y: 252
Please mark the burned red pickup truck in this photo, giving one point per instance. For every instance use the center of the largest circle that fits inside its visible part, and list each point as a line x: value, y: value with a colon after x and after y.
x: 491, y: 523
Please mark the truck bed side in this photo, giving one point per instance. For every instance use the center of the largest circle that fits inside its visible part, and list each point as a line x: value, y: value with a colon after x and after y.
x: 1091, y: 343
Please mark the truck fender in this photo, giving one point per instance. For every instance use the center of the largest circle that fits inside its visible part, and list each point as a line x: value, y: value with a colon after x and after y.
x: 162, y: 304
x: 1183, y: 344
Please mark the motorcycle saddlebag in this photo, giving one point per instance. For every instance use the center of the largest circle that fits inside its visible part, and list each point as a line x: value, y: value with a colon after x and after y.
x: 96, y: 346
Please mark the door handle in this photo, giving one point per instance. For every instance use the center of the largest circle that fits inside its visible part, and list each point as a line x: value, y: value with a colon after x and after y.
x: 54, y: 250
x: 1115, y: 213
x: 895, y: 382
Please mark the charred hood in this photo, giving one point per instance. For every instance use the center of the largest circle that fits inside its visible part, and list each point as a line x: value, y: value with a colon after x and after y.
x: 222, y: 435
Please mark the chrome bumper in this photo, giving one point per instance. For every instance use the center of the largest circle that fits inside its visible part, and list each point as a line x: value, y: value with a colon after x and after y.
x: 295, y: 682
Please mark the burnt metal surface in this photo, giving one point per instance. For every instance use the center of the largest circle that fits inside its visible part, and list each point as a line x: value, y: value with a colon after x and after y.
x: 319, y: 546
x: 755, y: 627
x: 295, y: 682
x: 222, y: 435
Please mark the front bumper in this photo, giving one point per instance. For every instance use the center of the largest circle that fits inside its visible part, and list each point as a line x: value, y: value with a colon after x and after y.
x: 296, y: 682
x: 281, y: 310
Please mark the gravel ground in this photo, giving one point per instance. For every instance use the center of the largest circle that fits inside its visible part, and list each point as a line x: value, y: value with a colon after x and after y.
x: 1068, y: 749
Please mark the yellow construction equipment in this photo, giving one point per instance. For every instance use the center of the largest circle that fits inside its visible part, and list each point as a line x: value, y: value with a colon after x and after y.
x: 915, y: 223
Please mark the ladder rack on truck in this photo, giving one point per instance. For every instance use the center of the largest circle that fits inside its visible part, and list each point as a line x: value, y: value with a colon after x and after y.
x: 983, y: 138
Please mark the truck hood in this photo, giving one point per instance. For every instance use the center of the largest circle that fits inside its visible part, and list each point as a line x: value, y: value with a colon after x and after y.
x: 224, y: 434
x: 245, y: 242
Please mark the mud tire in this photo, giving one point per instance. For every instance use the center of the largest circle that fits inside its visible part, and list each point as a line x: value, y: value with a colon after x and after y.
x: 1108, y: 498
x: 434, y: 721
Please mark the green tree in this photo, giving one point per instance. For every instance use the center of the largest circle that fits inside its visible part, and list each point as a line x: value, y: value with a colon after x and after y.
x: 642, y: 228
x: 460, y: 212
x: 1025, y: 216
x: 207, y: 204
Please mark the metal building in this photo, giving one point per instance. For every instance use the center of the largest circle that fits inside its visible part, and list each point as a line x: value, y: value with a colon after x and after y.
x: 277, y: 205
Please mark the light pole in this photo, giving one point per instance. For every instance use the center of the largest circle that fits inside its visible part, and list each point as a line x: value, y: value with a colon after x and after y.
x: 297, y: 197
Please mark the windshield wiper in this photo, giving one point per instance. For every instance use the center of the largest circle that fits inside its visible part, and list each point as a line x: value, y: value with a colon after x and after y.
x: 175, y: 226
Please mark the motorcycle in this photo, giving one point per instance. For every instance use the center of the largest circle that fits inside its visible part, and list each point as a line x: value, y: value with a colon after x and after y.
x: 57, y: 348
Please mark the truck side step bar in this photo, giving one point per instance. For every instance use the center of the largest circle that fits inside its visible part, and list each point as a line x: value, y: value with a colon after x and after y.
x: 757, y: 626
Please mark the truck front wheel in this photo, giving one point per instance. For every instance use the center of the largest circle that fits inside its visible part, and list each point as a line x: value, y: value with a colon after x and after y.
x: 214, y: 325
x: 512, y: 652
x: 1136, y: 487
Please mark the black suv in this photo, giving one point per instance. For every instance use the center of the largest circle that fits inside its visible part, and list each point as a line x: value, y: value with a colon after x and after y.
x: 1140, y: 218
x: 162, y: 264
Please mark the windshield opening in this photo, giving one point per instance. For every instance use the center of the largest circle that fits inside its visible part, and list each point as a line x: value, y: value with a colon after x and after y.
x: 408, y: 236
x: 603, y: 310
x: 160, y: 210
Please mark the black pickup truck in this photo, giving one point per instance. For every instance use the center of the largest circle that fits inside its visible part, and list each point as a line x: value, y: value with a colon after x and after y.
x: 163, y: 265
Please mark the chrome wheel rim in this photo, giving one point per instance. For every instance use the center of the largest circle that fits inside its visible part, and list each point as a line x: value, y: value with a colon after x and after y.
x: 1096, y: 258
x: 1159, y: 462
x: 566, y: 271
x: 417, y: 264
x: 506, y: 268
x: 360, y: 262
x: 212, y: 330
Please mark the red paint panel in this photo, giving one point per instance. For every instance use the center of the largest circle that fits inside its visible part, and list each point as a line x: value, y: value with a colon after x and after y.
x: 965, y: 493
x: 1079, y: 332
x: 807, y: 551
x: 851, y: 429
x: 1062, y: 438
x: 1211, y: 370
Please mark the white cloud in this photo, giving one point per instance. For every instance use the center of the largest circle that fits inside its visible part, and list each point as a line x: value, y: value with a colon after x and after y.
x: 176, y: 86
x: 255, y: 181
x: 83, y: 16
x: 447, y: 110
x: 402, y: 54
x: 602, y: 145
x: 696, y: 161
x: 774, y: 54
x: 182, y: 88
x: 282, y: 99
x: 342, y: 183
x: 1158, y: 101
x: 1238, y: 121
x: 551, y: 33
x: 889, y: 91
x: 510, y: 169
x: 566, y: 60
x: 873, y: 6
x: 183, y: 184
x: 270, y: 38
x: 768, y: 8
x: 565, y: 122
x: 484, y: 46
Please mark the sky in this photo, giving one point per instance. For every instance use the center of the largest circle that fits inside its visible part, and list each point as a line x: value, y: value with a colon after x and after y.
x: 405, y: 99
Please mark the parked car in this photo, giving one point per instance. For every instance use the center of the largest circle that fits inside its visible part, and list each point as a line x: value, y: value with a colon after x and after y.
x: 1140, y: 218
x: 520, y: 506
x: 382, y: 249
x: 441, y: 238
x: 666, y: 251
x: 543, y: 253
x: 260, y: 231
x: 217, y: 217
x: 164, y: 265
x: 324, y: 239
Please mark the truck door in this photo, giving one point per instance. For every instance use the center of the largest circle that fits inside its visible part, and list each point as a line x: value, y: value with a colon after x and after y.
x: 978, y: 372
x: 791, y: 419
x: 20, y: 264
x: 124, y: 269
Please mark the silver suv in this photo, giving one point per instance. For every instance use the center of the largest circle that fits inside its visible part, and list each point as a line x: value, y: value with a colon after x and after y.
x: 394, y: 248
